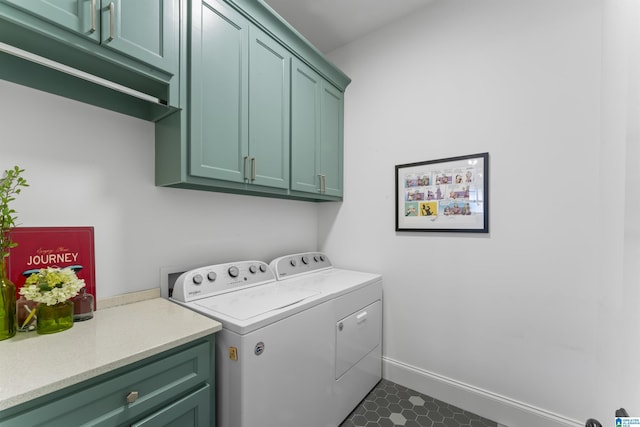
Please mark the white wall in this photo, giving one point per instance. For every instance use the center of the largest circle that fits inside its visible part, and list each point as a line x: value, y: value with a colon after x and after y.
x: 530, y: 315
x: 90, y: 167
x: 519, y: 324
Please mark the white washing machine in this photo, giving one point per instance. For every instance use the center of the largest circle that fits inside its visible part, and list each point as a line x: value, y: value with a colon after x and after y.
x: 300, y: 351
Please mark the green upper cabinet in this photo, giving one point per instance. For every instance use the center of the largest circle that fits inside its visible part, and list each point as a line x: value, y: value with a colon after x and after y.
x: 141, y: 29
x: 80, y: 16
x: 263, y: 109
x: 131, y: 43
x: 316, y: 133
x: 332, y: 137
x: 269, y: 109
x: 219, y: 93
x: 306, y: 86
x: 239, y: 95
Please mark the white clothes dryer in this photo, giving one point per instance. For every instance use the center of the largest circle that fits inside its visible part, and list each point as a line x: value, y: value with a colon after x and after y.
x: 356, y: 316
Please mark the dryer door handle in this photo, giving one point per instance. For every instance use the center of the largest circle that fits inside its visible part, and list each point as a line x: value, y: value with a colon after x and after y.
x: 361, y: 317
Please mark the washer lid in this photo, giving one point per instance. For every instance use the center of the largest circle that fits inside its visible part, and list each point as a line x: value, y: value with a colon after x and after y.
x: 252, y: 302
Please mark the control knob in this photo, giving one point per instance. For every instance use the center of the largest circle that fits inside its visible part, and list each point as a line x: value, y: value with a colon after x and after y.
x: 305, y: 259
x: 233, y: 271
x: 197, y: 279
x: 253, y: 269
x: 263, y: 268
x: 212, y: 276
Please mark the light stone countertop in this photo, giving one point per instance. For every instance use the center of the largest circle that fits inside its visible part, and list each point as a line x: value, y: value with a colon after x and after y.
x: 34, y: 365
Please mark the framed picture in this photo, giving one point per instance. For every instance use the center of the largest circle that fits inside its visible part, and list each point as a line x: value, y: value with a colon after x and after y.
x: 445, y: 195
x: 41, y: 247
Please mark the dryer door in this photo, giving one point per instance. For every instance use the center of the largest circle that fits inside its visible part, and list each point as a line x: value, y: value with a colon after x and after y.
x: 357, y: 334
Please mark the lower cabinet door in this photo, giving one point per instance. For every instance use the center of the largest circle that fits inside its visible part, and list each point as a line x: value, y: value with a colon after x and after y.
x: 190, y: 411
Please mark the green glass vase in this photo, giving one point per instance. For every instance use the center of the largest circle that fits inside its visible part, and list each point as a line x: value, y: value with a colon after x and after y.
x: 7, y: 304
x: 54, y: 318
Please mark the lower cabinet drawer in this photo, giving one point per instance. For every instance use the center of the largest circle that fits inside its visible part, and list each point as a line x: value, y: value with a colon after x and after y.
x: 190, y: 411
x: 127, y: 396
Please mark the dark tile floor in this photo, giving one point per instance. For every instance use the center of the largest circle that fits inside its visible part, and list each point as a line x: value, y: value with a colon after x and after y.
x: 390, y: 405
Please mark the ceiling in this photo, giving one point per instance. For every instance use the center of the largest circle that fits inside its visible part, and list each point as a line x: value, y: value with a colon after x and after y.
x: 330, y: 24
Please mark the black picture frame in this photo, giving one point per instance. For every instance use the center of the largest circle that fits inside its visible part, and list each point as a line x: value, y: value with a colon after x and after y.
x: 444, y: 195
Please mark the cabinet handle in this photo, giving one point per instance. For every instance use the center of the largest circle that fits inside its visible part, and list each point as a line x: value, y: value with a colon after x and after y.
x: 112, y: 12
x: 323, y: 183
x: 246, y: 168
x: 253, y: 168
x: 93, y: 17
x: 132, y: 397
x: 319, y: 183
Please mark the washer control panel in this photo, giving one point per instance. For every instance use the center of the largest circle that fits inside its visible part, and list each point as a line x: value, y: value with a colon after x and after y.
x: 297, y: 264
x: 217, y: 279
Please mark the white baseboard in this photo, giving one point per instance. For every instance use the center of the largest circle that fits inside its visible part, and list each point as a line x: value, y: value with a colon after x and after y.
x: 503, y: 410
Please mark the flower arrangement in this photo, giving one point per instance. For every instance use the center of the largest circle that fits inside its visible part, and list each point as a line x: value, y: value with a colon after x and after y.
x: 52, y: 285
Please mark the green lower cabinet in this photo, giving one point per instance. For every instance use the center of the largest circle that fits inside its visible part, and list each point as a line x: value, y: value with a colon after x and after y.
x: 316, y: 133
x: 192, y: 410
x: 174, y: 388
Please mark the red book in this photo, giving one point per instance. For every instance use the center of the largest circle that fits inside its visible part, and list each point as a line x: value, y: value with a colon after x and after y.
x: 42, y: 247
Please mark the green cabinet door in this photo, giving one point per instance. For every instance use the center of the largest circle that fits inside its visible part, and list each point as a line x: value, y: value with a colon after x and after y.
x: 239, y: 100
x: 305, y: 128
x: 219, y: 97
x: 332, y: 137
x: 190, y: 411
x: 79, y: 16
x: 173, y: 388
x: 145, y: 30
x: 317, y: 113
x: 269, y: 104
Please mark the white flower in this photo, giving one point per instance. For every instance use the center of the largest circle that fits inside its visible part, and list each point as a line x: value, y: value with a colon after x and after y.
x: 51, y: 286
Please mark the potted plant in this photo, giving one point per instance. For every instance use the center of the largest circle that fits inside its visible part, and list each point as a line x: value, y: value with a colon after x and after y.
x: 10, y: 186
x: 52, y: 288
